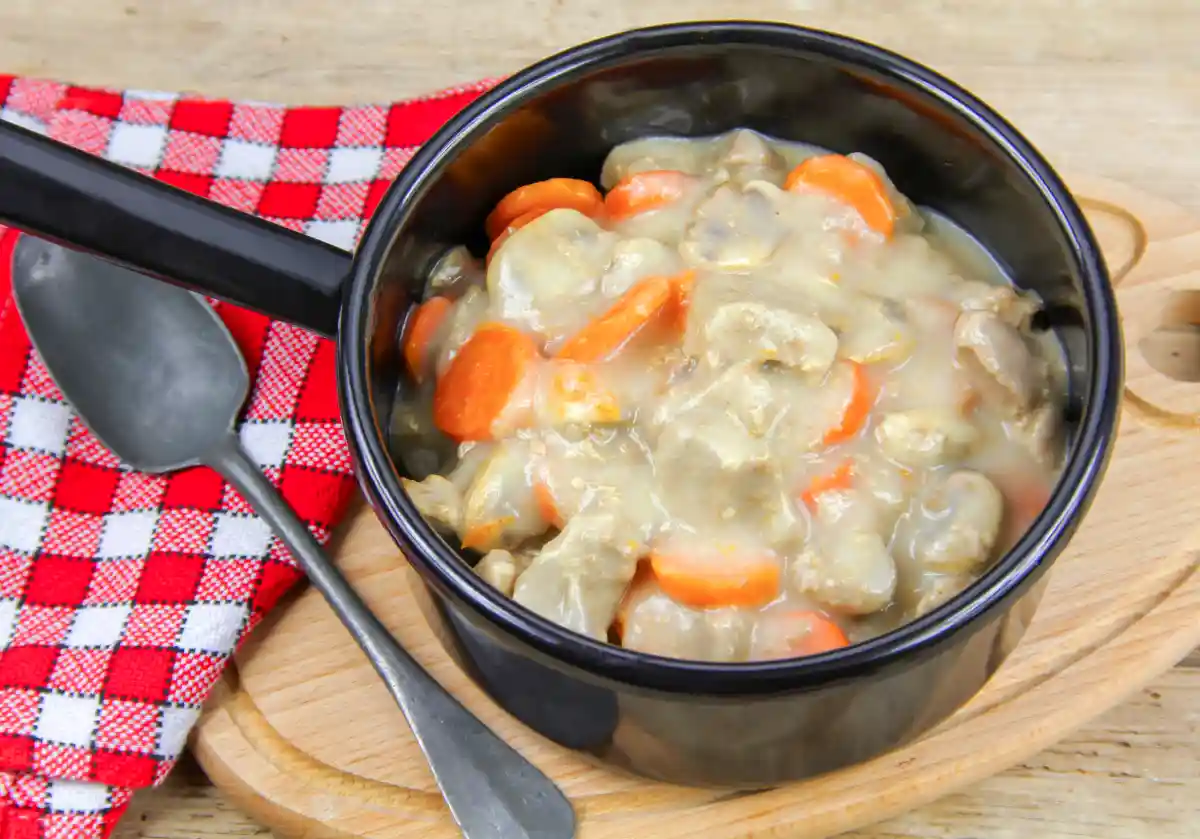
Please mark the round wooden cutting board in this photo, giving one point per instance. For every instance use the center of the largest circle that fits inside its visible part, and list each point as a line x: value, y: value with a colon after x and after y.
x: 303, y: 735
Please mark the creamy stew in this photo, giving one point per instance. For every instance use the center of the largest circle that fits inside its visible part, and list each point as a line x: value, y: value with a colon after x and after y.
x: 747, y: 402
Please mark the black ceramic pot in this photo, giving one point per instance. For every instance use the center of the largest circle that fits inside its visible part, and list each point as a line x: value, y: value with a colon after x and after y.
x: 745, y: 724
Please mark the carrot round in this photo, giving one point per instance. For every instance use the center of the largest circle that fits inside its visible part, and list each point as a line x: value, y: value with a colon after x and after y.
x: 485, y: 536
x: 609, y: 332
x: 850, y: 182
x: 554, y: 194
x: 808, y: 633
x: 858, y: 407
x: 645, y: 191
x: 513, y: 226
x: 718, y: 579
x: 546, y: 505
x: 419, y: 335
x: 481, y: 380
x: 840, y: 478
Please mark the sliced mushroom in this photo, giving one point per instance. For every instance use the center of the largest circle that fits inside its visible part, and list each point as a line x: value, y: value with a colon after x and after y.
x: 438, y: 500
x: 1009, y: 374
x: 956, y: 522
x: 751, y: 331
x: 925, y: 436
x: 635, y: 259
x: 545, y: 274
x: 679, y: 154
x: 734, y: 230
x: 850, y: 571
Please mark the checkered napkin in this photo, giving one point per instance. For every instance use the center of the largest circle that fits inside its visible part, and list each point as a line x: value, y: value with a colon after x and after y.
x: 122, y: 594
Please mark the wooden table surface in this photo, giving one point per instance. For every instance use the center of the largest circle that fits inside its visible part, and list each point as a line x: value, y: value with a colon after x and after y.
x: 1106, y: 86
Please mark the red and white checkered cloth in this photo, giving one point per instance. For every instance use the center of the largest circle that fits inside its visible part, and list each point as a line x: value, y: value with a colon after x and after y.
x: 122, y: 594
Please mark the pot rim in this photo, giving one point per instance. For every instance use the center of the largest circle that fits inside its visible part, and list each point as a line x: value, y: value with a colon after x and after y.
x: 441, y: 566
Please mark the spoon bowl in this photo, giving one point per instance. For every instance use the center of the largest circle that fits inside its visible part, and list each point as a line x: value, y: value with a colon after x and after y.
x: 151, y: 368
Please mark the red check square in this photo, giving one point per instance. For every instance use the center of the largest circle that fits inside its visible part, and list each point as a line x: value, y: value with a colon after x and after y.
x: 141, y: 674
x: 310, y: 128
x: 198, y: 489
x: 26, y: 667
x: 85, y: 488
x: 202, y: 116
x: 289, y: 200
x: 170, y: 578
x: 122, y: 769
x: 58, y: 581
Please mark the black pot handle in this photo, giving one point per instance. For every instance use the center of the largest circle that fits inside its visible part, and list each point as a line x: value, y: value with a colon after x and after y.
x: 56, y: 192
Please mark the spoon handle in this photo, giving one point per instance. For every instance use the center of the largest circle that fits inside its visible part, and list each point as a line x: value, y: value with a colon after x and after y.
x: 492, y: 791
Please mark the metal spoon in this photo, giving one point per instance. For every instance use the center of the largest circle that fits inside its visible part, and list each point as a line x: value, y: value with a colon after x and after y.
x: 154, y: 374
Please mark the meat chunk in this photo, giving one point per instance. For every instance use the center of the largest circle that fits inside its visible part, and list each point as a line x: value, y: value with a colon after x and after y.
x: 579, y: 577
x: 936, y: 589
x: 500, y: 569
x: 1040, y: 433
x: 750, y: 331
x: 1007, y: 372
x: 924, y: 436
x: 956, y: 523
x: 438, y: 500
x: 499, y: 509
x: 651, y: 622
x: 848, y: 570
x: 749, y: 157
x: 872, y: 332
x: 1016, y: 308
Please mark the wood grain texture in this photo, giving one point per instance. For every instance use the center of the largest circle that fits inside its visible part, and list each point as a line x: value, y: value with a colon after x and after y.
x: 1110, y: 87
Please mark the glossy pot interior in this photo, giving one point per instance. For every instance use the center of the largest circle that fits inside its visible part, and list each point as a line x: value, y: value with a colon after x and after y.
x: 752, y: 724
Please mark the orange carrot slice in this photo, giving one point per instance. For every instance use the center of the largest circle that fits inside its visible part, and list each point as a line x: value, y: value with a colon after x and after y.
x: 554, y: 194
x: 858, y: 407
x: 481, y: 380
x: 852, y: 183
x: 675, y: 313
x: 806, y: 633
x: 485, y: 536
x: 546, y: 505
x: 608, y: 333
x: 840, y: 478
x: 724, y: 578
x: 513, y: 226
x: 422, y: 326
x: 645, y: 191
